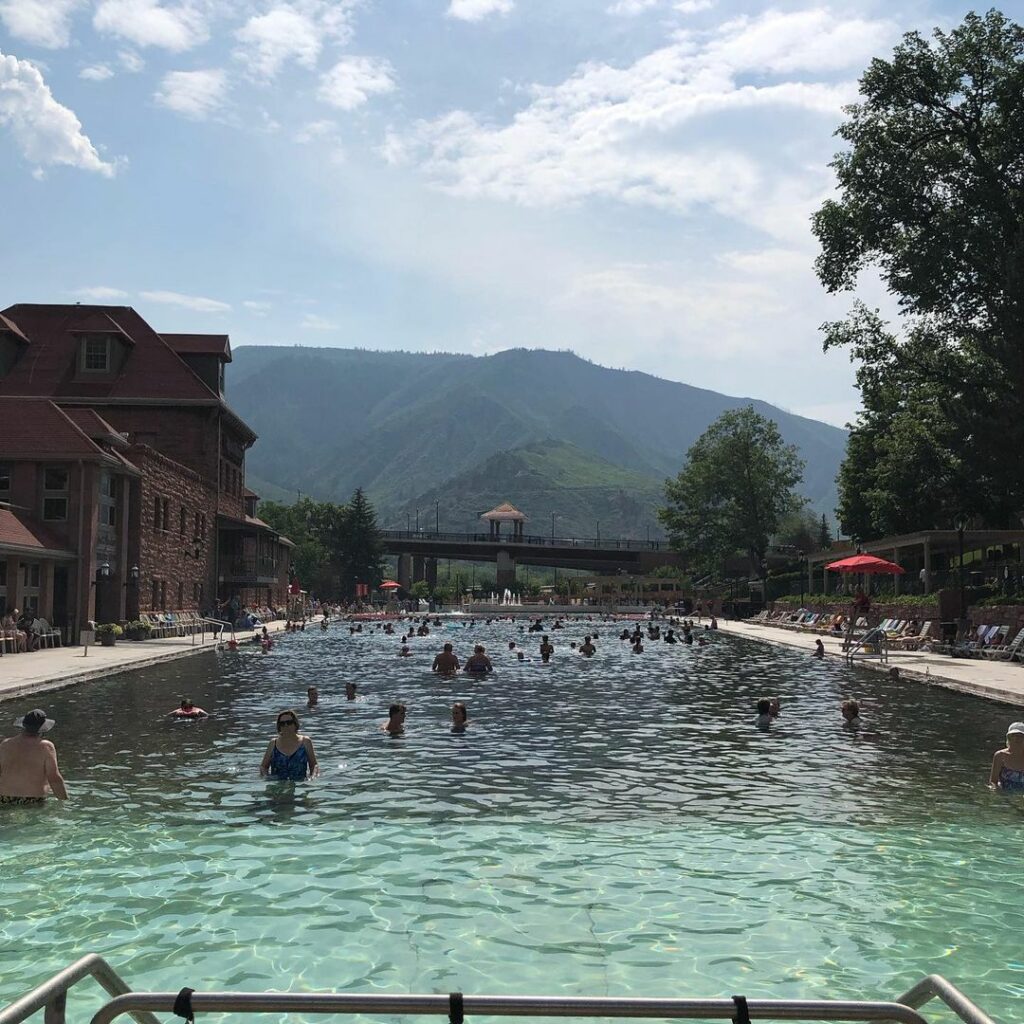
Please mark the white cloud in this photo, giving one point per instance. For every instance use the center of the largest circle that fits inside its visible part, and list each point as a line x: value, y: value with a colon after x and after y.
x: 101, y: 293
x: 312, y: 322
x: 630, y: 8
x: 477, y: 10
x: 608, y: 132
x: 194, y: 94
x: 353, y: 80
x: 44, y: 130
x: 44, y: 23
x: 315, y: 130
x: 194, y: 302
x: 151, y: 23
x: 96, y: 73
x: 131, y: 61
x: 292, y: 31
x: 769, y: 262
x: 260, y: 309
x: 693, y: 6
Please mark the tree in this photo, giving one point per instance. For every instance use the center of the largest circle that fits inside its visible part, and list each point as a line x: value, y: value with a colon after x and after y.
x: 824, y: 534
x: 931, y: 194
x: 310, y: 558
x: 799, y: 530
x: 359, y: 553
x: 733, y: 492
x: 420, y: 590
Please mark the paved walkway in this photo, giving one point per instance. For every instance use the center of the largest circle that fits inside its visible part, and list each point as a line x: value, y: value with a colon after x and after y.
x: 22, y: 674
x: 994, y: 680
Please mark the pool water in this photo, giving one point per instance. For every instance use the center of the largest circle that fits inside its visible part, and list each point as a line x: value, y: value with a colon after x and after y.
x: 615, y: 826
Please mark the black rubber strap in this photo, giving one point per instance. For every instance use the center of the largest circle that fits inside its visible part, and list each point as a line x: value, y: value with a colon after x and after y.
x: 742, y: 1015
x: 455, y: 1008
x: 183, y: 1005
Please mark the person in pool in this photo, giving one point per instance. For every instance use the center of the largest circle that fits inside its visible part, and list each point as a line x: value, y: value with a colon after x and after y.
x: 312, y: 696
x: 587, y: 648
x: 764, y: 713
x: 405, y: 652
x: 350, y: 691
x: 547, y: 648
x: 1008, y: 764
x: 638, y: 646
x: 395, y: 725
x: 28, y: 764
x: 819, y: 649
x: 187, y: 710
x: 851, y: 714
x: 478, y: 663
x: 290, y: 756
x: 460, y: 717
x: 446, y: 662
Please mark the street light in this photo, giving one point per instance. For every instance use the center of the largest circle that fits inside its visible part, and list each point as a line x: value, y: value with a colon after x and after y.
x: 437, y: 516
x: 803, y: 561
x: 417, y: 520
x: 552, y: 527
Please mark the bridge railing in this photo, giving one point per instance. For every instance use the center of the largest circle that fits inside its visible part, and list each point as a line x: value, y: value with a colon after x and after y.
x: 540, y: 540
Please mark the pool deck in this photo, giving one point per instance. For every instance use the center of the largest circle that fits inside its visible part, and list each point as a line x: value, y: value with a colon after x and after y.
x: 39, y: 671
x: 994, y: 680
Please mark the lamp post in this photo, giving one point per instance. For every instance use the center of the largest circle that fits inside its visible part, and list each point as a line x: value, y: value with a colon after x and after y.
x: 408, y: 523
x: 803, y: 562
x: 764, y: 582
x: 552, y: 527
x: 417, y: 520
x: 437, y: 516
x: 961, y: 525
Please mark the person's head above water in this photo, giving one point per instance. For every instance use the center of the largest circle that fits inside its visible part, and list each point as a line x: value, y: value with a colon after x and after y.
x: 36, y: 722
x: 1015, y: 737
x: 764, y: 706
x: 459, y: 713
x: 448, y: 648
x: 520, y: 656
x: 287, y: 720
x: 350, y: 691
x: 479, y: 649
x: 313, y: 694
x: 186, y: 704
x: 850, y: 709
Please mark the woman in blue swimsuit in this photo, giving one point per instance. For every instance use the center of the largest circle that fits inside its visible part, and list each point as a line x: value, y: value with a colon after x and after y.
x: 290, y: 756
x: 1008, y: 764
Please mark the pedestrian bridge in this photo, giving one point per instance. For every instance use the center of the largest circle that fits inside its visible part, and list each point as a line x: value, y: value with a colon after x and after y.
x: 419, y: 550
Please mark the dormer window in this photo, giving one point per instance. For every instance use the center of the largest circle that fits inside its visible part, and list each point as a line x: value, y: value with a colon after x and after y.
x: 96, y: 353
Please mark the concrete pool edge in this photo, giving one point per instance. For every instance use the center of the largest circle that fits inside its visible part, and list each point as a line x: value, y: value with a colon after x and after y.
x: 1000, y: 681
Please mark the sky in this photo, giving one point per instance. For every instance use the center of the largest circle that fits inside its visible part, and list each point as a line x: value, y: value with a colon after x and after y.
x: 629, y: 179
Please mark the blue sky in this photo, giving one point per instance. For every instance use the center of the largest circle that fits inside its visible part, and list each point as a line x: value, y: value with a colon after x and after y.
x: 631, y: 179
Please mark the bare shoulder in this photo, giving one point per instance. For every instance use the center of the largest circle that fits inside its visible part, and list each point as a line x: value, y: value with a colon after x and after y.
x: 47, y: 745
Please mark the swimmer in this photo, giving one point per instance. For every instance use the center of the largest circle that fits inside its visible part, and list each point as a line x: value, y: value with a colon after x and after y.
x: 446, y: 662
x: 350, y: 691
x: 819, y: 649
x: 395, y: 725
x: 312, y: 696
x: 324, y: 624
x: 291, y: 755
x: 851, y: 714
x: 572, y: 644
x: 232, y: 644
x: 587, y: 648
x: 775, y: 706
x: 511, y: 645
x: 187, y: 710
x: 520, y: 656
x: 28, y: 764
x: 547, y: 648
x: 638, y: 646
x: 405, y: 652
x: 714, y: 622
x: 1008, y: 764
x: 460, y: 717
x: 764, y: 713
x: 478, y: 663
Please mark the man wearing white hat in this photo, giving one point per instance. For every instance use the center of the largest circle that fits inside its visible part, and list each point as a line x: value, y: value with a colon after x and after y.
x: 28, y: 763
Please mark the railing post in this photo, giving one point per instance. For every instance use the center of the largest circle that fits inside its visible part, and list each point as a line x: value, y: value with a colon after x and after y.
x: 54, y: 1011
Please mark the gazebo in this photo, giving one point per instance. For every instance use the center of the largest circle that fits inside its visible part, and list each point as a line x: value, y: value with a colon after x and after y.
x: 505, y: 513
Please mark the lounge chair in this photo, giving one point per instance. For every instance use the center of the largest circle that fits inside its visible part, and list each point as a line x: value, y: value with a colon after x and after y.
x: 914, y: 641
x: 1006, y: 652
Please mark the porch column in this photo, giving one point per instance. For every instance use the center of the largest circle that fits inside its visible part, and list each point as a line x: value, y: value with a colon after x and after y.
x: 896, y: 578
x: 927, y: 566
x: 13, y: 583
x: 46, y: 591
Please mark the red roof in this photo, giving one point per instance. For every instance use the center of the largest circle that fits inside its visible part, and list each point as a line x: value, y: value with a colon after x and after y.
x: 94, y: 426
x: 35, y: 428
x: 49, y: 365
x: 200, y: 344
x: 20, y: 531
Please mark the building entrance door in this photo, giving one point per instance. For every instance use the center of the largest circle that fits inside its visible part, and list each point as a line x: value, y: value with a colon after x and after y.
x: 60, y: 597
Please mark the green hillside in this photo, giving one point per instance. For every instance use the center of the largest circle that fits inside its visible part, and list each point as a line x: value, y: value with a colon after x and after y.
x: 400, y: 424
x: 587, y: 494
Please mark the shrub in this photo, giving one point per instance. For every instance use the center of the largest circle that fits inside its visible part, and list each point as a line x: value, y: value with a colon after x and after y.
x: 109, y: 629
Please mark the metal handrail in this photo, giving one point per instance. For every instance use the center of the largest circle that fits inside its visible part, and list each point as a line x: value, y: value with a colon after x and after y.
x: 513, y: 1006
x: 51, y: 996
x: 875, y: 637
x: 935, y: 986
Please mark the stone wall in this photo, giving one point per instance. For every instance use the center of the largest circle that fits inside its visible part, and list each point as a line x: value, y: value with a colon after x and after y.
x: 171, y: 576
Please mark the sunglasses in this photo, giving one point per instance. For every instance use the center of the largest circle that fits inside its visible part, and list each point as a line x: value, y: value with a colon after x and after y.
x: 286, y: 721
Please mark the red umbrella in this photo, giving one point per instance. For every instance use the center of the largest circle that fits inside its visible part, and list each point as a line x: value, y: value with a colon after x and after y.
x: 866, y: 563
x: 390, y: 585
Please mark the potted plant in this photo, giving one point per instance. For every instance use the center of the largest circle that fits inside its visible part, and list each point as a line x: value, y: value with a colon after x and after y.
x: 139, y: 630
x: 108, y: 632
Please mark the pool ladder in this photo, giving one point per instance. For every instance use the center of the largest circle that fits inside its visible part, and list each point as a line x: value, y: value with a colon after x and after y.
x: 51, y: 998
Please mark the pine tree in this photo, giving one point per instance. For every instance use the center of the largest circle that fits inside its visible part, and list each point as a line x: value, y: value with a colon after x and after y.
x: 824, y: 534
x: 360, y: 551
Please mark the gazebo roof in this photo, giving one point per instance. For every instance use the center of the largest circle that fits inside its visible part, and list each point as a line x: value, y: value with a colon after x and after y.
x: 504, y: 513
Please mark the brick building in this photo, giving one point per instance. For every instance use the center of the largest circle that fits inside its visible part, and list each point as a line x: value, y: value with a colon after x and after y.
x: 122, y: 472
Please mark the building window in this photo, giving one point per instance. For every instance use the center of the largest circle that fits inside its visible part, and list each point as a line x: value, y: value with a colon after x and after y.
x: 96, y: 354
x: 163, y: 595
x: 108, y: 503
x: 55, y: 489
x: 157, y: 506
x: 181, y: 595
x: 5, y: 481
x: 161, y: 507
x: 30, y: 575
x: 155, y: 596
x: 182, y: 521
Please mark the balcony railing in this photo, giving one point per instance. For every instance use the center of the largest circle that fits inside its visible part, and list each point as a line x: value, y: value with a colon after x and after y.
x: 540, y: 540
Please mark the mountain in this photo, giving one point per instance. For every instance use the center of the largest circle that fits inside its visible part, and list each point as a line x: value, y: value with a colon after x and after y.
x: 402, y: 425
x: 589, y: 495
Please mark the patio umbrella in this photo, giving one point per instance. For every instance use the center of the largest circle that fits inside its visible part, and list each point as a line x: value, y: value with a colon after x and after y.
x: 866, y: 563
x: 390, y: 585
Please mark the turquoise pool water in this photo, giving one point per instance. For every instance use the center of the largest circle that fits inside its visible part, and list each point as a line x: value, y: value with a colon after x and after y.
x: 616, y: 826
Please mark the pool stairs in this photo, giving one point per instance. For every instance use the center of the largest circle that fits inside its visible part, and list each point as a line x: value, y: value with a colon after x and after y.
x: 51, y: 998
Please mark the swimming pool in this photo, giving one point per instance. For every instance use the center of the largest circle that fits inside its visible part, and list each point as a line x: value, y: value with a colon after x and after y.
x: 606, y: 827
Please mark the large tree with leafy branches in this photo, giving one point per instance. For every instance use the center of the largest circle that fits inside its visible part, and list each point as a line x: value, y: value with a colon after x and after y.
x: 931, y: 195
x: 734, y: 491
